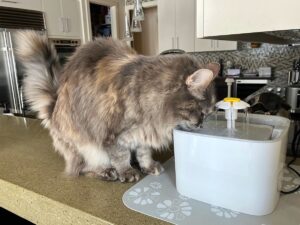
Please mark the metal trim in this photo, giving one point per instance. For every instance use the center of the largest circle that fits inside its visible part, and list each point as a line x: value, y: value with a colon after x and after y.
x: 10, y: 77
x: 20, y: 104
x: 251, y: 81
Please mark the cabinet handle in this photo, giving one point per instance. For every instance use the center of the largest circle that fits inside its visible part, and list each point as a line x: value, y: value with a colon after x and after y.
x: 172, y: 42
x: 7, y: 1
x: 67, y: 24
x: 177, y: 38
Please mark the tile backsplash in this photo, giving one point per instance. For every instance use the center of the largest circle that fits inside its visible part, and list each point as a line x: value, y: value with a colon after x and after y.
x: 278, y: 57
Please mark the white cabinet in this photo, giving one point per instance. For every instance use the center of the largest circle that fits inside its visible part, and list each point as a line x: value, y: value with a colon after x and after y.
x: 62, y: 18
x: 23, y: 4
x: 53, y: 17
x: 205, y: 45
x: 225, y: 45
x: 71, y: 13
x: 223, y: 17
x: 177, y: 28
x: 176, y: 24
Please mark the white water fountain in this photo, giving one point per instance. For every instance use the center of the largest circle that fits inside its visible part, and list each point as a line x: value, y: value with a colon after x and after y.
x: 231, y: 107
x: 234, y: 161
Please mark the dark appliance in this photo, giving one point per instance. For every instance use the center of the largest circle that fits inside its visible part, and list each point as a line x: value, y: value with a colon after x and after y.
x: 11, y: 75
x: 242, y: 88
x: 65, y: 48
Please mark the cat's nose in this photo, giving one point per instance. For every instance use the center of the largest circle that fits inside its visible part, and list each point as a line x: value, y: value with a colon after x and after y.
x: 208, y: 110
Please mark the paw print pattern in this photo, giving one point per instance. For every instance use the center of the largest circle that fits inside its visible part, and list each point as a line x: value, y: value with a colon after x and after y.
x: 296, y: 181
x: 289, y: 187
x: 174, y: 210
x: 155, y: 185
x: 287, y: 179
x: 226, y: 213
x: 290, y: 182
x: 143, y: 196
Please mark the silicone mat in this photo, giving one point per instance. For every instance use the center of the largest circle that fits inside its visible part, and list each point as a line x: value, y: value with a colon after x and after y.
x: 156, y: 196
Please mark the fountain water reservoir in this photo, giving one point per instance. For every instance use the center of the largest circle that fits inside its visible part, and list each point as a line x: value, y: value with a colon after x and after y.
x: 230, y: 168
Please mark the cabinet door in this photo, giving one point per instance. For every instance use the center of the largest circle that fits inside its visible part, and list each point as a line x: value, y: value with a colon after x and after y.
x: 71, y: 18
x: 225, y: 45
x: 166, y: 24
x: 235, y: 16
x: 23, y: 4
x: 204, y: 45
x: 201, y: 45
x: 53, y: 17
x: 199, y: 18
x: 185, y: 25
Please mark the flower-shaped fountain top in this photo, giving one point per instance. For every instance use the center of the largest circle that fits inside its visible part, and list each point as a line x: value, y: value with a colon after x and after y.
x: 231, y: 106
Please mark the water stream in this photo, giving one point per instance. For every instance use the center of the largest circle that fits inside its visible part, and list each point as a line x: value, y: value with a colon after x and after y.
x: 216, y: 125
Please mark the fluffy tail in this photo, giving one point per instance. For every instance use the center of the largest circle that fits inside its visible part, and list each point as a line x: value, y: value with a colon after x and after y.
x: 41, y: 65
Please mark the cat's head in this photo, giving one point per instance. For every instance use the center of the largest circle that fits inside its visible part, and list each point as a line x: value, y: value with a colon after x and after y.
x: 198, y: 99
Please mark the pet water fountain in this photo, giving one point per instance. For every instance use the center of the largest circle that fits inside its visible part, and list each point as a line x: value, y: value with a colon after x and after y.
x: 234, y: 161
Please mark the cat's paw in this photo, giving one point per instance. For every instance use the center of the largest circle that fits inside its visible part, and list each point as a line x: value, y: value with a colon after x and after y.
x: 109, y: 174
x: 129, y: 175
x: 154, y: 169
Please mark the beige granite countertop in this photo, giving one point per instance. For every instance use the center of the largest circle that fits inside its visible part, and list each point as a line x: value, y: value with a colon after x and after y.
x: 32, y: 184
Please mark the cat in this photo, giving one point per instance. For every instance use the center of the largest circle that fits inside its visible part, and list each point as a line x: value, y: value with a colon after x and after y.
x: 270, y: 104
x: 107, y: 102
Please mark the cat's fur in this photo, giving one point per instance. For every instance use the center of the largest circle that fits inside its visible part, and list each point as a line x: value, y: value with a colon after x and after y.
x: 270, y: 104
x: 107, y: 102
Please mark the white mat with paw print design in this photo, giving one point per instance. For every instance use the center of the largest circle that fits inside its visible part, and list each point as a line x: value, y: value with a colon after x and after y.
x: 156, y: 196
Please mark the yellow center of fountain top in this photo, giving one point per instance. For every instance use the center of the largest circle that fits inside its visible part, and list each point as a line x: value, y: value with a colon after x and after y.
x: 232, y: 100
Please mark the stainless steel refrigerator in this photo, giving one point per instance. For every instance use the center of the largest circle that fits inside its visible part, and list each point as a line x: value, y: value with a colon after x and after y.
x: 11, y: 75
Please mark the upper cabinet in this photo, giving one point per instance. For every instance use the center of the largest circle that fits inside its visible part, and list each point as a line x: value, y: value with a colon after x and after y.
x: 204, y: 45
x: 176, y: 24
x: 62, y: 18
x: 23, y: 4
x: 222, y: 17
x: 177, y: 28
x: 209, y: 45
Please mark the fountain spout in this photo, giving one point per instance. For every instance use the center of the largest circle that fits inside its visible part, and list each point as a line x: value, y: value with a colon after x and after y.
x: 231, y: 106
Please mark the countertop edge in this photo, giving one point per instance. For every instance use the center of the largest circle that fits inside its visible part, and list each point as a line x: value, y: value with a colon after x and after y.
x: 39, y: 209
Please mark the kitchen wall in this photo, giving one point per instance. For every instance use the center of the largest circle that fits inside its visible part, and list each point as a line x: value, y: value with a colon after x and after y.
x: 279, y: 57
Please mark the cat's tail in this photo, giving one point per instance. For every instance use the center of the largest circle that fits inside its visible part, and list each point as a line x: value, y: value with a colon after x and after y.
x: 42, y: 66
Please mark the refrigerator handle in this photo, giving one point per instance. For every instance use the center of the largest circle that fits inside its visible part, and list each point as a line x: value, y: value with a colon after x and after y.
x: 14, y: 77
x: 8, y: 64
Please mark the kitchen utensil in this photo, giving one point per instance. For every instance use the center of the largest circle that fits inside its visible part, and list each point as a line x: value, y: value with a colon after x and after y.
x: 293, y: 97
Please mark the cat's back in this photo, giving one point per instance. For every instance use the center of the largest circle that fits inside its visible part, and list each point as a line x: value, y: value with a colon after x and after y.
x: 87, y: 57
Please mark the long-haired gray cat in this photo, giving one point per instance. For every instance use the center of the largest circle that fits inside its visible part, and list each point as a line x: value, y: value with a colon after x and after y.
x: 107, y: 102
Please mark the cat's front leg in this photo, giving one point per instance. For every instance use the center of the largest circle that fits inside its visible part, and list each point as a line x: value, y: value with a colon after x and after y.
x: 147, y: 164
x: 120, y: 160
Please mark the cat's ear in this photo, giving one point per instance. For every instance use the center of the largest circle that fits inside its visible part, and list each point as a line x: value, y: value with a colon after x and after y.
x: 214, y: 67
x: 203, y: 77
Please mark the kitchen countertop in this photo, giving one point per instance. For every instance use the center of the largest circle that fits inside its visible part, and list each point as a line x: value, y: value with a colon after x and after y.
x: 33, y: 186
